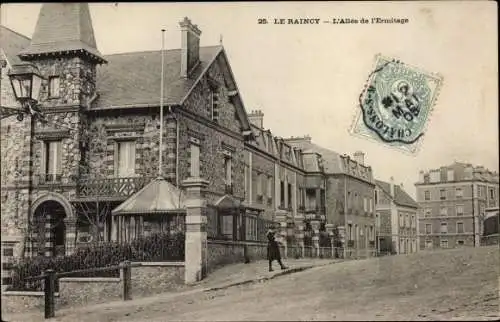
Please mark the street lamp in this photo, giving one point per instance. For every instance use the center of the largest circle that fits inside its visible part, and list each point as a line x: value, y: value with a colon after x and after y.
x: 26, y: 82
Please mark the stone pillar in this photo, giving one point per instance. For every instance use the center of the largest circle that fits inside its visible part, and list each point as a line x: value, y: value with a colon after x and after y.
x: 329, y: 230
x: 196, y: 234
x: 341, y: 235
x: 70, y: 235
x: 299, y: 235
x: 315, y: 239
x: 281, y: 218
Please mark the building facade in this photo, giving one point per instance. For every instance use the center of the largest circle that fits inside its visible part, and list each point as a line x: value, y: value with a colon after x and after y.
x: 100, y: 145
x: 452, y: 202
x: 396, y: 219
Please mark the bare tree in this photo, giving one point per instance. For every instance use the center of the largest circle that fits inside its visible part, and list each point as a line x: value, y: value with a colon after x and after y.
x: 95, y: 213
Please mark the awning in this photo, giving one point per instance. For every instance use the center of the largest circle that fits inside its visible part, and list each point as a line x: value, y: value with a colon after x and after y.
x: 157, y: 197
x: 228, y: 202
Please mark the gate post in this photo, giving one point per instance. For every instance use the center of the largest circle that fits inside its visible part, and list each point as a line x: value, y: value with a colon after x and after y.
x: 196, y: 232
x: 49, y: 289
x: 126, y: 279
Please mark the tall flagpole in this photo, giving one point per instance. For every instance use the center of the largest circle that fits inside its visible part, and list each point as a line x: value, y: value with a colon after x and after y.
x: 160, y: 172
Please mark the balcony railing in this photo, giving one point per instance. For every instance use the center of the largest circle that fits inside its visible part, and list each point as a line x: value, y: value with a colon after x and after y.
x: 49, y: 178
x: 111, y: 187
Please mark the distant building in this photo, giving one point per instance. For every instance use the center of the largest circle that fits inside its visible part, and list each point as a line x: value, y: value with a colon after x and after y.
x: 491, y: 224
x: 452, y: 202
x: 396, y: 219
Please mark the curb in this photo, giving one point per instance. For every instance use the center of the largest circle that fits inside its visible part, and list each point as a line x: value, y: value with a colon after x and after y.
x: 266, y: 278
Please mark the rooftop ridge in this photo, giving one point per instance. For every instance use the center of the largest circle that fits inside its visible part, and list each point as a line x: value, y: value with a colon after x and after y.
x: 15, y: 32
x: 153, y: 51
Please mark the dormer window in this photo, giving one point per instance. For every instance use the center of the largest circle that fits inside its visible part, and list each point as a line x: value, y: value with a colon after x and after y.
x: 214, y: 105
x: 54, y: 86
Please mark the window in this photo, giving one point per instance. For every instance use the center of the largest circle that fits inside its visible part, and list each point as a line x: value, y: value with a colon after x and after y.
x: 460, y: 227
x: 282, y: 193
x: 460, y: 210
x: 228, y: 170
x: 195, y: 160
x: 269, y: 186
x: 251, y: 228
x: 227, y: 226
x: 54, y: 86
x: 401, y: 220
x: 428, y: 228
x: 372, y: 235
x: 289, y: 193
x: 443, y: 211
x: 125, y: 160
x: 479, y: 191
x: 427, y: 212
x: 492, y: 193
x: 377, y: 220
x: 435, y: 176
x: 370, y: 202
x: 442, y: 194
x: 427, y: 195
x: 214, y: 105
x: 428, y: 243
x: 376, y: 197
x: 444, y: 243
x: 407, y: 221
x: 413, y: 223
x: 259, y: 184
x: 365, y: 204
x: 460, y: 242
x: 444, y: 228
x: 450, y: 175
x: 247, y: 171
x: 459, y: 193
x: 52, y: 160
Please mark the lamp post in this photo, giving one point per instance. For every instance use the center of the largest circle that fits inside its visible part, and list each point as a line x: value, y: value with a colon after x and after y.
x: 26, y: 82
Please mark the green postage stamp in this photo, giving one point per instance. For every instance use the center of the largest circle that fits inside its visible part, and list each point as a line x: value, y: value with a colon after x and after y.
x: 395, y: 105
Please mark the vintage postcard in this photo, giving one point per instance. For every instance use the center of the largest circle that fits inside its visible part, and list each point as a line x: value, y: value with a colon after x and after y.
x: 249, y: 161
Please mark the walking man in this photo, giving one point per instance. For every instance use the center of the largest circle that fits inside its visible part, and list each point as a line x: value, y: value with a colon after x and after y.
x: 273, y: 250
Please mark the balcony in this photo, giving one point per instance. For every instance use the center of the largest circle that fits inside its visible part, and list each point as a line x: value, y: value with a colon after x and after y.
x: 49, y: 178
x: 111, y: 188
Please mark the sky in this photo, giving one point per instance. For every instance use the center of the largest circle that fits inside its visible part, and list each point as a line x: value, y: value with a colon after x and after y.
x: 307, y: 78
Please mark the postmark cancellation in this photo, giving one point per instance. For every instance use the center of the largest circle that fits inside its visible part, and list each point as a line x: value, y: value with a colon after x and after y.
x: 396, y: 104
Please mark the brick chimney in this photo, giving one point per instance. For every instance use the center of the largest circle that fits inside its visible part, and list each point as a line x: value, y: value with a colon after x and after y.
x: 392, y: 187
x: 359, y: 157
x: 190, y: 46
x: 257, y: 118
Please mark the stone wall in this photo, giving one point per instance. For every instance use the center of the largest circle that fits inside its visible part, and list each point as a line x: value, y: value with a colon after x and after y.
x: 75, y: 292
x: 20, y: 302
x: 212, y: 144
x: 154, y: 278
x: 199, y: 102
x: 222, y: 253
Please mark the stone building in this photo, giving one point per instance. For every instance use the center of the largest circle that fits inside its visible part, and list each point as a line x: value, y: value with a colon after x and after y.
x: 348, y: 192
x: 396, y: 219
x: 99, y: 148
x: 452, y: 202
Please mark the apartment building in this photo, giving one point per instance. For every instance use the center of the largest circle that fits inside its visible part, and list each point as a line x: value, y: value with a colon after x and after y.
x: 396, y: 219
x: 452, y: 201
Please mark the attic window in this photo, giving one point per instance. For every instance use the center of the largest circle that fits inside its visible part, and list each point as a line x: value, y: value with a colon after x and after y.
x: 214, y: 105
x: 54, y: 86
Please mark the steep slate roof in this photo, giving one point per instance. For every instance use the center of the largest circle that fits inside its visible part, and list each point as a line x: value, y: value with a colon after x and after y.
x: 11, y: 43
x: 401, y: 197
x: 63, y: 27
x: 134, y: 79
x: 158, y: 196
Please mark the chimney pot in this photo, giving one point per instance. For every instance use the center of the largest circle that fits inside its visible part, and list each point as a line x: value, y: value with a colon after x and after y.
x: 359, y: 157
x: 256, y: 117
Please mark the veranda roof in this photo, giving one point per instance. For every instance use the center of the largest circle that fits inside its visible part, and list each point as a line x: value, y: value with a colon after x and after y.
x: 158, y: 196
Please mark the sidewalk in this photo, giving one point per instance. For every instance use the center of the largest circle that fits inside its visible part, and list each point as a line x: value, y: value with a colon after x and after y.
x: 222, y: 278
